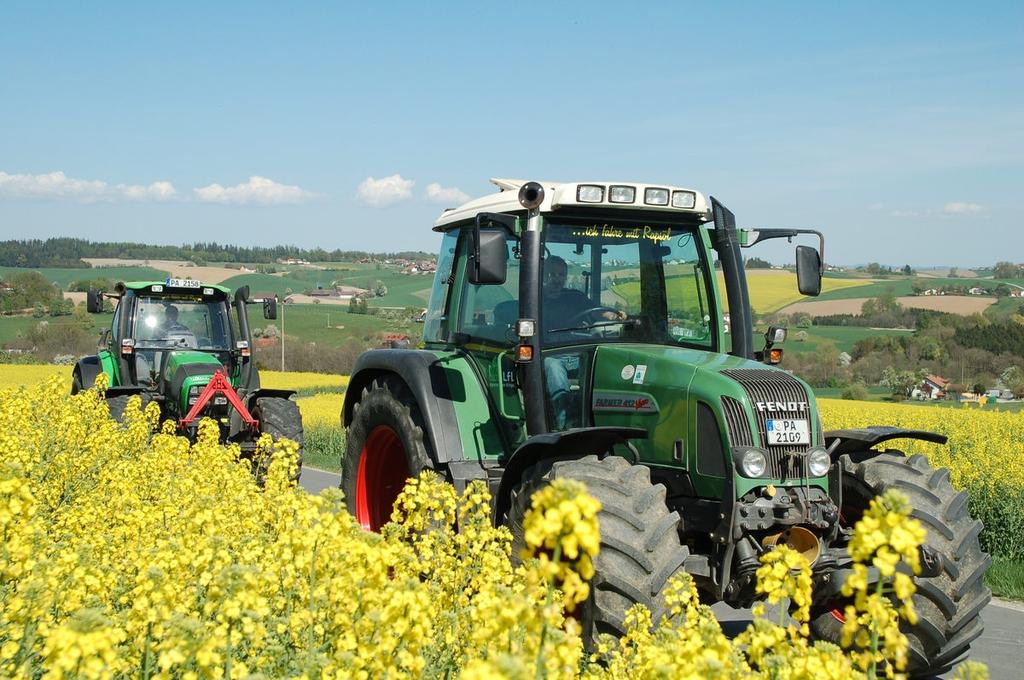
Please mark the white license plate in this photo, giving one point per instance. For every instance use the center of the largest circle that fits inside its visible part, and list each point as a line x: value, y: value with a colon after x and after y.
x: 788, y: 431
x: 182, y: 283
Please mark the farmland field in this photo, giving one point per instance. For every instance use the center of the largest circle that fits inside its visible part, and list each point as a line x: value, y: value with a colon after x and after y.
x: 903, y: 286
x: 309, y: 323
x: 954, y: 304
x: 13, y: 326
x: 840, y: 337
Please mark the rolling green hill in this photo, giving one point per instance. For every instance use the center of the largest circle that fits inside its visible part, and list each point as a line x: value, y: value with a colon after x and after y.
x: 309, y: 323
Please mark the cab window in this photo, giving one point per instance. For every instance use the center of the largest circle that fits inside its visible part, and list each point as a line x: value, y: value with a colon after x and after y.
x: 488, y: 312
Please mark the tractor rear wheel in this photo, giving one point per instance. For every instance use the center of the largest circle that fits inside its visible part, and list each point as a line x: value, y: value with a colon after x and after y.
x: 640, y: 546
x: 280, y: 418
x: 948, y: 605
x: 385, y: 448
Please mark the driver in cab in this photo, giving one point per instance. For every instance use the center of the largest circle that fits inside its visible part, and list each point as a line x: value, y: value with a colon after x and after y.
x: 563, y: 306
x: 564, y: 309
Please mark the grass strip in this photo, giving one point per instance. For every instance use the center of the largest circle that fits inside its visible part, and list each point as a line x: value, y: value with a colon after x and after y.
x: 324, y: 447
x: 1006, y: 578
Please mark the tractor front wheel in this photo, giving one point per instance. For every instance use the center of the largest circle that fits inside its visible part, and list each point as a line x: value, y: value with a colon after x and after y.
x: 118, y: 404
x: 281, y: 419
x: 948, y: 605
x: 640, y: 546
x: 385, y: 447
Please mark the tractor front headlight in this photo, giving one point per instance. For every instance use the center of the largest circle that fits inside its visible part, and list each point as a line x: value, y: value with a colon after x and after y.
x: 818, y: 463
x: 752, y: 463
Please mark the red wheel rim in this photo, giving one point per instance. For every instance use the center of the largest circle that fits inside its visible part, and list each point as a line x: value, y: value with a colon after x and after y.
x: 383, y: 469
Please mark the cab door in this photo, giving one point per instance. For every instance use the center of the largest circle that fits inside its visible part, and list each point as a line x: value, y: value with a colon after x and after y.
x: 482, y: 323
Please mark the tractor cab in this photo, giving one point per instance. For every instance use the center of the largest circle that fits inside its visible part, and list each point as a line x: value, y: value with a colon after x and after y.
x: 171, y: 327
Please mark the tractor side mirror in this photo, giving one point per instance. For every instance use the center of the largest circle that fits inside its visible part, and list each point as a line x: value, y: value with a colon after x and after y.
x: 270, y: 308
x: 488, y: 261
x: 94, y: 301
x: 808, y: 270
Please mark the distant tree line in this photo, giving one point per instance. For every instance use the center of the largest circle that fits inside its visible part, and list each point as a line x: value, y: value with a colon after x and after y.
x: 69, y: 252
x: 996, y: 338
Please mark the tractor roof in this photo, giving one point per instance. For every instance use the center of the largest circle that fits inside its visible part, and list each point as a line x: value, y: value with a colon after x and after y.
x: 560, y: 195
x: 169, y: 288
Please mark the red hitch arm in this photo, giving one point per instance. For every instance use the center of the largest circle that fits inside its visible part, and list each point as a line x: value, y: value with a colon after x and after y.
x: 218, y: 385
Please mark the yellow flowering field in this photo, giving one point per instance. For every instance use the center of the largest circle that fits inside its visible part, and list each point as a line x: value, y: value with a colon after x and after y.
x: 129, y: 552
x: 18, y: 375
x: 310, y: 382
x: 321, y: 409
x: 985, y: 456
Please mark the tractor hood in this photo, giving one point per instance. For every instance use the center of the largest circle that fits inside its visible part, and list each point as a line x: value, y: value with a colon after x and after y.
x: 661, y: 388
x: 185, y: 369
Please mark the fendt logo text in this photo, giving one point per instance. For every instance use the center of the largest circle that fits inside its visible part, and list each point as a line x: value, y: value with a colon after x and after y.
x: 781, y: 405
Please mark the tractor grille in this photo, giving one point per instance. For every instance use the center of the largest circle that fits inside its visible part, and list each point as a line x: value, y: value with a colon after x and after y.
x: 766, y: 385
x: 736, y: 420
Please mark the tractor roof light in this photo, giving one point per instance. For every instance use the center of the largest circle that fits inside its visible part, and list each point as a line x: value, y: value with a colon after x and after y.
x: 818, y: 463
x: 683, y: 199
x: 590, y: 193
x: 157, y: 288
x: 655, y: 196
x: 621, y: 194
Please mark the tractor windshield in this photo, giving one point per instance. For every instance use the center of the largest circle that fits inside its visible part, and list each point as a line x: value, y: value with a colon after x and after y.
x: 628, y: 282
x: 175, y: 323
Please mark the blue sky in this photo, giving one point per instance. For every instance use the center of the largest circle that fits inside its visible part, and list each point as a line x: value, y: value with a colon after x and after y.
x: 896, y: 128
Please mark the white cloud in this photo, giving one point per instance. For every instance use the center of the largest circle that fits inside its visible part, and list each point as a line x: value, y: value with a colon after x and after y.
x: 961, y: 208
x: 58, y: 185
x: 447, y: 195
x: 259, y: 190
x: 384, y: 191
x: 904, y: 213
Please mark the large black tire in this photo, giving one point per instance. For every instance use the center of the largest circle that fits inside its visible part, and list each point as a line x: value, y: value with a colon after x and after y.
x: 76, y: 381
x: 640, y: 546
x: 281, y: 419
x: 948, y: 605
x: 118, y: 404
x: 384, y: 448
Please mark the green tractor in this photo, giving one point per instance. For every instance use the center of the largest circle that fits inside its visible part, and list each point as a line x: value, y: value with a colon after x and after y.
x: 578, y: 330
x: 186, y: 346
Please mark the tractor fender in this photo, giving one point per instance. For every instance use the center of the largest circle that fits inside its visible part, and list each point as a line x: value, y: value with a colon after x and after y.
x: 235, y: 423
x: 575, y: 443
x: 841, y: 442
x: 88, y: 368
x: 424, y: 375
x: 124, y: 389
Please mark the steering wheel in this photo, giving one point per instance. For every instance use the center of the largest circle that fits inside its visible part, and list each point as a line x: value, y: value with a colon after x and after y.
x: 590, y: 316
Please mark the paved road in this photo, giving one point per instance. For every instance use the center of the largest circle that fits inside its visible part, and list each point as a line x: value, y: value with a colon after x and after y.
x: 1001, y: 646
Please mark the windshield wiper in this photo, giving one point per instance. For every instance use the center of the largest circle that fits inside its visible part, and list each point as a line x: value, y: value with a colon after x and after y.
x: 596, y: 324
x: 174, y: 341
